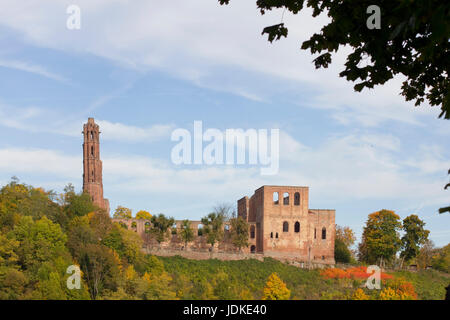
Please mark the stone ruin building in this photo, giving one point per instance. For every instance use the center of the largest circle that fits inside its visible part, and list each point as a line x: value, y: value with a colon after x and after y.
x: 281, y: 224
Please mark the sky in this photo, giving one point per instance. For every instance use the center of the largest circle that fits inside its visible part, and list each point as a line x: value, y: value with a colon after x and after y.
x: 144, y: 68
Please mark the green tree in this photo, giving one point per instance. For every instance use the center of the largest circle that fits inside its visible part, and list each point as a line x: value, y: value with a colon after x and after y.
x: 144, y: 215
x: 275, y: 289
x: 412, y: 41
x: 341, y: 252
x: 76, y: 204
x: 415, y: 236
x: 126, y: 243
x: 40, y: 241
x: 239, y: 232
x: 122, y: 213
x: 160, y: 226
x: 441, y: 261
x: 213, y: 227
x: 100, y: 268
x: 380, y: 239
x: 8, y: 249
x: 186, y: 234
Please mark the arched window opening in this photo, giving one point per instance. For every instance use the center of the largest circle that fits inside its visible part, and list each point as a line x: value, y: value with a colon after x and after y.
x: 296, y: 199
x: 92, y: 135
x: 252, y: 232
x: 285, y: 226
x: 276, y: 235
x: 92, y: 150
x: 200, y: 230
x: 227, y: 227
x: 271, y: 234
x: 253, y: 249
x: 297, y: 227
x: 315, y: 233
x: 324, y: 233
x: 285, y: 198
x: 275, y: 198
x: 323, y: 257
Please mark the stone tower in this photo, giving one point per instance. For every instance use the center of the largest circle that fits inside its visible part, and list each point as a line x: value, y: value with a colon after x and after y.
x: 92, y: 165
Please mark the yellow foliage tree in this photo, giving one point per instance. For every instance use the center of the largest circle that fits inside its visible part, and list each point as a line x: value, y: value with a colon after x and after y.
x: 144, y: 215
x: 276, y: 289
x: 360, y: 295
x: 122, y: 213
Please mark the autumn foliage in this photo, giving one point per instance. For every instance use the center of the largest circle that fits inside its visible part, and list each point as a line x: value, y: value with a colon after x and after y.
x: 350, y: 273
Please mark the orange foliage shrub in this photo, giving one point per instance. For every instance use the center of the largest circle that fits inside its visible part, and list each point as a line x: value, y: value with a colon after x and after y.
x: 350, y: 273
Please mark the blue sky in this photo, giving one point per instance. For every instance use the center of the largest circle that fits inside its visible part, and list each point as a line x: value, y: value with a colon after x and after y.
x: 145, y: 68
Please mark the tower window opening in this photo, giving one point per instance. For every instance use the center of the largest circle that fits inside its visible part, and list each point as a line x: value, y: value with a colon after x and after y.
x: 296, y: 199
x: 285, y: 198
x: 275, y: 198
x: 297, y: 227
x: 324, y: 233
x: 92, y: 150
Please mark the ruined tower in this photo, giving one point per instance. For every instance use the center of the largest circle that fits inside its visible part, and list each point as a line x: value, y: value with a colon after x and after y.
x: 92, y: 165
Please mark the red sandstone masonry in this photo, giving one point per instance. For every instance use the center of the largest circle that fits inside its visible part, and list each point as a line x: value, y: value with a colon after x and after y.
x: 310, y: 244
x: 92, y: 165
x: 286, y: 230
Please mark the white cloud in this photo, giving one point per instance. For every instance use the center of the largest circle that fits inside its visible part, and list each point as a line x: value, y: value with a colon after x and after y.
x: 349, y: 167
x: 34, y: 119
x: 32, y: 68
x: 16, y: 161
x: 122, y: 132
x: 206, y: 43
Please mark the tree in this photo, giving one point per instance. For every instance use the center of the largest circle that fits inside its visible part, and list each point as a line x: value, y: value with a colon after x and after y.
x: 213, y: 227
x: 160, y: 225
x: 225, y: 210
x: 442, y: 259
x: 39, y: 241
x: 144, y: 215
x: 100, y: 268
x: 122, y: 213
x: 125, y: 242
x: 412, y: 41
x: 380, y: 239
x: 415, y: 236
x: 346, y: 235
x: 341, y: 252
x: 239, y: 232
x: 76, y: 204
x: 276, y: 289
x: 424, y: 258
x: 186, y: 234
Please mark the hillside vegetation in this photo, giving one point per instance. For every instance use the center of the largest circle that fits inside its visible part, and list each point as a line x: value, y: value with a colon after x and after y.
x: 43, y: 235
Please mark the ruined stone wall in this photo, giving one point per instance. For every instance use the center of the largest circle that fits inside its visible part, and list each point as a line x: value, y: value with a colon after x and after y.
x: 285, y: 229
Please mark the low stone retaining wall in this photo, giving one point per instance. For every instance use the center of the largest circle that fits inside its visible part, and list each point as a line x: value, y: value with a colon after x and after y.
x: 225, y: 256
